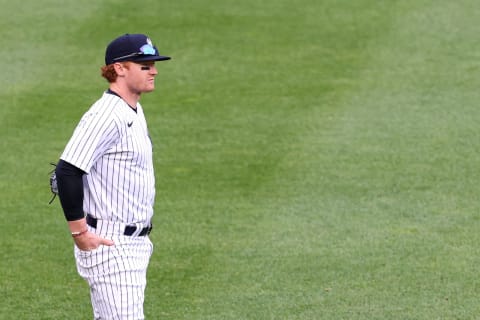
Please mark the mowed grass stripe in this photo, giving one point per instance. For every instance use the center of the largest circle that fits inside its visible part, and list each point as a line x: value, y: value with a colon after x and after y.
x: 371, y: 223
x: 385, y: 208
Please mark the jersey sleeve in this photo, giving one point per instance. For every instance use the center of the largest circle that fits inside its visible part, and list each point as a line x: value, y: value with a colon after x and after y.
x: 94, y: 135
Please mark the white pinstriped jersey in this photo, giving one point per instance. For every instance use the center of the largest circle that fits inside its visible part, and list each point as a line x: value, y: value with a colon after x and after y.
x: 111, y: 144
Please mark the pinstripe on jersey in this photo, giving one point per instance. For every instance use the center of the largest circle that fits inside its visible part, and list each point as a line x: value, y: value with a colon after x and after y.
x: 111, y: 144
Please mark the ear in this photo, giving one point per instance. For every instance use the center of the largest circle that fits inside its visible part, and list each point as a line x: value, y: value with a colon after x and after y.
x: 119, y: 68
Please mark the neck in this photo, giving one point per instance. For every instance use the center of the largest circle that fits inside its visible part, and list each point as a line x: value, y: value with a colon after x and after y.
x: 129, y: 97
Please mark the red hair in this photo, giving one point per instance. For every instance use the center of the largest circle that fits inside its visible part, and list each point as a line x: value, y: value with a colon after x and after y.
x: 109, y: 73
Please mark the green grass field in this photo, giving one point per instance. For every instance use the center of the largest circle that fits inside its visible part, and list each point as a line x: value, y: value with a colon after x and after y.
x: 315, y: 159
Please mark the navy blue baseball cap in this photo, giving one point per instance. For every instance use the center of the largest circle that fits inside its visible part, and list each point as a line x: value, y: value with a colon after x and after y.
x: 132, y: 47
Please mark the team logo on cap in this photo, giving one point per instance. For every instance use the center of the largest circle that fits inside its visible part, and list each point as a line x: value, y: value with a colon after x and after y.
x: 148, y: 48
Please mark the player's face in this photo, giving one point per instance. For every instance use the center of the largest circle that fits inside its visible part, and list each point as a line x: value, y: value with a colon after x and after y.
x: 141, y: 76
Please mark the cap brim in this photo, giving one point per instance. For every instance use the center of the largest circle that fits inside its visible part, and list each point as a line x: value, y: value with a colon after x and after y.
x: 149, y: 58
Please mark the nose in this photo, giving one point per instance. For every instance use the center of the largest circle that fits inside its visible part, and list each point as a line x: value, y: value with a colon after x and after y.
x: 153, y: 70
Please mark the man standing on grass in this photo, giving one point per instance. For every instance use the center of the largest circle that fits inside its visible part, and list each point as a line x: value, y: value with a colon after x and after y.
x: 106, y: 183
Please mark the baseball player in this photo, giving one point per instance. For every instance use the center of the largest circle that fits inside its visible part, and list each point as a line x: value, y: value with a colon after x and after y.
x: 106, y: 183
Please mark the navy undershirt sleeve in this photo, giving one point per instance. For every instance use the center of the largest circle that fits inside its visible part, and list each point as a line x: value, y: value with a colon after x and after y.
x: 70, y: 190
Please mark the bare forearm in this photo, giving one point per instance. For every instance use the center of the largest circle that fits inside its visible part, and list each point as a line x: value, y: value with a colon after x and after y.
x: 77, y: 225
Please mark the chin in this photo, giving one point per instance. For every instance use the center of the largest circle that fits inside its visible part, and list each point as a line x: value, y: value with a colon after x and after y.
x: 149, y: 89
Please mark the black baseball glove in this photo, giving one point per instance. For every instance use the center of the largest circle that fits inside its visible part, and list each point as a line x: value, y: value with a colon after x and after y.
x: 53, y: 183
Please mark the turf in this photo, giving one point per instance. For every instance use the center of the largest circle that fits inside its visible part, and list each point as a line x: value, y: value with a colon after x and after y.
x: 314, y: 159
